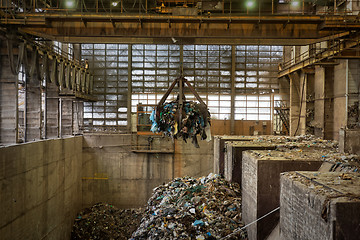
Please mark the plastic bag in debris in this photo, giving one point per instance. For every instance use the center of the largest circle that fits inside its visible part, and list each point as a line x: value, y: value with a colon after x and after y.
x: 104, y: 221
x: 195, y: 121
x: 189, y: 208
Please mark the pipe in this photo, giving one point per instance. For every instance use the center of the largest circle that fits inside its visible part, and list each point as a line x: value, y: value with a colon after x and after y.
x: 346, y: 92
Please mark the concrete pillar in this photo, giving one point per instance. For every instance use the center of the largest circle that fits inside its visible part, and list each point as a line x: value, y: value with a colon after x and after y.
x: 8, y: 101
x: 294, y: 103
x: 78, y: 117
x: 353, y: 115
x: 33, y: 109
x: 319, y: 101
x: 340, y: 98
x: 310, y: 100
x: 302, y: 107
x: 324, y: 102
x: 329, y: 103
x: 67, y: 117
x: 52, y: 111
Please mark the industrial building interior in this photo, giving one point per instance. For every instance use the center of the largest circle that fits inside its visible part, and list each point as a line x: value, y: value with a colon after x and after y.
x: 105, y: 104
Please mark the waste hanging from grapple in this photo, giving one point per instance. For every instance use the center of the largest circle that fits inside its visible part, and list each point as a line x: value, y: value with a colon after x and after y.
x: 195, y: 120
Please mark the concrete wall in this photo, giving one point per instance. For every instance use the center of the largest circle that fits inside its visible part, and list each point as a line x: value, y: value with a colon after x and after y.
x: 316, y: 205
x: 241, y: 127
x: 191, y: 161
x: 40, y: 188
x: 113, y: 173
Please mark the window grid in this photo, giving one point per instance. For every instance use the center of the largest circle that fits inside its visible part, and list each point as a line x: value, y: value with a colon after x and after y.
x: 109, y: 63
x: 154, y: 67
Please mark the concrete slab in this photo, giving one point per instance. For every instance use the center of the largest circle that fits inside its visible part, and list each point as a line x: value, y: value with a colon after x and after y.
x: 233, y: 157
x: 349, y: 141
x: 261, y: 186
x: 219, y: 150
x: 322, y: 206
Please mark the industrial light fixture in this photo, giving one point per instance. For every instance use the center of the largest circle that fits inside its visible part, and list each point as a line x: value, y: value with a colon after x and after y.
x: 70, y: 3
x: 250, y: 4
x: 115, y: 3
x: 295, y: 3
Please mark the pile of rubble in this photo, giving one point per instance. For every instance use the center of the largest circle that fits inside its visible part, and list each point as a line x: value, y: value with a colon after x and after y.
x: 189, y: 208
x: 195, y: 120
x: 104, y: 221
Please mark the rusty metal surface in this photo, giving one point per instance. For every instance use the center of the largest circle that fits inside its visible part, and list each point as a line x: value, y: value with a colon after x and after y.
x: 75, y: 27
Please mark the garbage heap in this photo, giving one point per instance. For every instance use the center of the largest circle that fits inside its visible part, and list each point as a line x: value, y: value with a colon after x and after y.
x: 104, y: 221
x: 189, y: 208
x: 195, y: 121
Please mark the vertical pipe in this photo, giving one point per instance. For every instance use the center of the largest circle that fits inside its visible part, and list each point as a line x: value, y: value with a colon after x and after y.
x: 121, y: 6
x: 45, y: 109
x: 60, y: 118
x: 232, y: 110
x: 129, y: 96
x: 346, y: 92
x: 25, y: 107
x: 272, y: 6
x: 17, y: 109
x: 272, y: 113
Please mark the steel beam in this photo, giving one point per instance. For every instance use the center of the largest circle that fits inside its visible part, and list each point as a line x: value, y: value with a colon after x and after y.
x: 70, y: 27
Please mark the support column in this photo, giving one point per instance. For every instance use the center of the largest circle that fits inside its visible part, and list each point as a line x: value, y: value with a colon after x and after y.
x: 78, y: 117
x: 33, y: 109
x: 310, y: 100
x: 52, y: 111
x: 294, y: 103
x: 77, y: 105
x: 302, y: 107
x: 66, y: 117
x: 324, y: 102
x: 8, y: 102
x: 329, y: 103
x: 319, y: 101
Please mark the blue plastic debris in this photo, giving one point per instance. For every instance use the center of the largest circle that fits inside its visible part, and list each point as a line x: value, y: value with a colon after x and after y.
x: 198, y: 223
